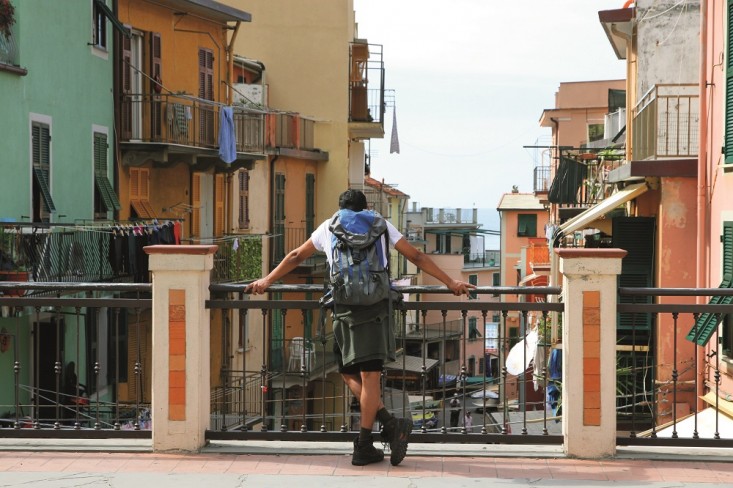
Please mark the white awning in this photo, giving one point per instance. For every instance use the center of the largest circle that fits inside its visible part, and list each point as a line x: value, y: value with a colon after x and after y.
x: 584, y: 219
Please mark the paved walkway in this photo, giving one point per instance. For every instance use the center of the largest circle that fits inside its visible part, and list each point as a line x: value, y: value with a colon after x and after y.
x: 264, y: 465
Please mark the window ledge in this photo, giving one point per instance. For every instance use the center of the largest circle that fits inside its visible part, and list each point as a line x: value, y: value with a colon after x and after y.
x: 13, y: 69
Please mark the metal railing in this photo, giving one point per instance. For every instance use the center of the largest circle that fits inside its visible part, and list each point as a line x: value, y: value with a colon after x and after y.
x: 366, y: 83
x: 77, y: 363
x: 305, y: 401
x: 287, y: 130
x: 9, y: 48
x: 666, y: 122
x: 187, y: 121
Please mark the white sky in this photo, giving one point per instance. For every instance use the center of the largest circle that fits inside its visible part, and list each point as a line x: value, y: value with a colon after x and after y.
x: 471, y: 78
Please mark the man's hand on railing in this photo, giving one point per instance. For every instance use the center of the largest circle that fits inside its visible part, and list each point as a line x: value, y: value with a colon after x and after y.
x: 258, y: 287
x: 460, y: 287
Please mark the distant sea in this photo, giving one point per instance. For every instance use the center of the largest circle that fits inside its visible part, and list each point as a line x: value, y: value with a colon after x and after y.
x: 489, y: 220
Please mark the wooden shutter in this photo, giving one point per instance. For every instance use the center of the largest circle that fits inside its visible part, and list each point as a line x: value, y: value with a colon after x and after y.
x: 126, y: 84
x: 728, y: 143
x: 637, y: 236
x: 707, y: 323
x: 243, y: 199
x: 310, y: 204
x: 155, y: 87
x: 140, y: 192
x: 279, y: 215
x: 206, y: 92
x: 219, y: 199
x: 196, y: 203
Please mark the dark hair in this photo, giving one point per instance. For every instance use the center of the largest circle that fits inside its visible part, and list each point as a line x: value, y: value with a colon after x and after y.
x: 353, y: 200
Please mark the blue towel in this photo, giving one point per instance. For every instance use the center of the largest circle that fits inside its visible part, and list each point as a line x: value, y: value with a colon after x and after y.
x: 555, y: 364
x: 227, y: 137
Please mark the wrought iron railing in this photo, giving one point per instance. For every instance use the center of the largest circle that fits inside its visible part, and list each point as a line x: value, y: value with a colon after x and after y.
x: 9, y: 48
x: 666, y: 122
x: 366, y: 83
x: 188, y: 121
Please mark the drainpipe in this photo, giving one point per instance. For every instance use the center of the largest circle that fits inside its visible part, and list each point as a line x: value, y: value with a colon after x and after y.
x: 271, y: 209
x: 703, y: 239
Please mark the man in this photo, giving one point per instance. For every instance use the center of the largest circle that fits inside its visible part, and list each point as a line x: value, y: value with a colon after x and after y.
x: 455, y: 410
x: 363, y: 376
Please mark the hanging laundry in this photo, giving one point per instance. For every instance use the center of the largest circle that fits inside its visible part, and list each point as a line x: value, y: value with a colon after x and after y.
x: 394, y: 143
x: 235, y: 244
x: 227, y: 136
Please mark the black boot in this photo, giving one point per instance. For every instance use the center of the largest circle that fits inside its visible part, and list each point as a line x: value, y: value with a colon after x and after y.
x: 396, y: 432
x: 366, y: 454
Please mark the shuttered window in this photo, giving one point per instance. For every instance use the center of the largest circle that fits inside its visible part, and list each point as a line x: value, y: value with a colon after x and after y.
x: 473, y: 280
x: 43, y: 203
x: 126, y: 84
x: 99, y: 31
x: 103, y: 191
x: 156, y: 78
x: 279, y: 223
x: 140, y: 193
x: 527, y: 225
x: 310, y: 204
x: 636, y: 235
x: 707, y: 323
x: 196, y: 203
x: 729, y: 87
x: 219, y: 199
x: 206, y: 92
x: 244, y: 199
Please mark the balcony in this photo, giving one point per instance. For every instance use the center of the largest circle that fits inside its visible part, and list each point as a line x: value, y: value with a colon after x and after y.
x: 9, y: 59
x: 292, y: 135
x: 450, y: 216
x: 366, y: 91
x: 186, y: 125
x: 666, y: 123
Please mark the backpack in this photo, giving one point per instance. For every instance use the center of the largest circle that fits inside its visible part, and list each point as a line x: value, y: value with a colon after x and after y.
x: 359, y: 275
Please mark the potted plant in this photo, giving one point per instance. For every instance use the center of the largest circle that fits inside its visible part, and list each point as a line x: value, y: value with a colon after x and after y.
x: 7, y: 17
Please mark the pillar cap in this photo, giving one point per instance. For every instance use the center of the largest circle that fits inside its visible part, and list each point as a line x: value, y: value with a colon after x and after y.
x: 190, y: 250
x: 570, y: 253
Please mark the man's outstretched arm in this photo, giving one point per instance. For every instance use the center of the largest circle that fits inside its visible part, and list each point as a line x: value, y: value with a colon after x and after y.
x: 291, y: 261
x: 423, y: 261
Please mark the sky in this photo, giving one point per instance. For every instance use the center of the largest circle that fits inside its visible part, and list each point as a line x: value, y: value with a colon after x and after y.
x: 471, y: 79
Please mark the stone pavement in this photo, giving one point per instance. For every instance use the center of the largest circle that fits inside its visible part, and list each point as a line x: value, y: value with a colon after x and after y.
x: 36, y: 463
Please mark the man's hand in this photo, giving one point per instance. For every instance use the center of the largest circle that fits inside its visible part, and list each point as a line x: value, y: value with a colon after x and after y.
x: 258, y: 287
x: 460, y: 287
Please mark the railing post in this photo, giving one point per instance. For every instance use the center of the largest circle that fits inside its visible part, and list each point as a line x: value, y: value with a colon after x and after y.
x: 180, y: 373
x: 589, y: 350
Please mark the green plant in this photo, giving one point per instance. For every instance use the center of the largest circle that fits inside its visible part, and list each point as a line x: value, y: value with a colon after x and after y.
x: 246, y: 262
x: 7, y: 17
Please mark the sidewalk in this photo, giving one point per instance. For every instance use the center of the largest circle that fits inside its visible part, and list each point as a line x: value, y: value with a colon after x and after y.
x: 328, y: 465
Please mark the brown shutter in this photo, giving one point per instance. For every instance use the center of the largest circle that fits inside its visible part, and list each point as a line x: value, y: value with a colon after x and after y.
x: 196, y: 204
x: 244, y: 199
x: 206, y: 92
x: 155, y: 85
x: 219, y: 199
x: 126, y: 84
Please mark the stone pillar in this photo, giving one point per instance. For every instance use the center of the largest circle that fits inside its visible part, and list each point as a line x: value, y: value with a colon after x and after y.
x: 589, y: 350
x: 181, y: 385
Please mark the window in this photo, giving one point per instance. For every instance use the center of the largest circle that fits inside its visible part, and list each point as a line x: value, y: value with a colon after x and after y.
x: 140, y: 193
x: 99, y: 29
x: 595, y: 132
x: 707, y: 323
x: 527, y: 225
x: 473, y: 332
x: 310, y: 203
x: 279, y: 216
x: 244, y: 199
x: 105, y: 199
x: 473, y: 280
x: 729, y: 89
x: 243, y: 340
x: 43, y: 204
x: 497, y: 281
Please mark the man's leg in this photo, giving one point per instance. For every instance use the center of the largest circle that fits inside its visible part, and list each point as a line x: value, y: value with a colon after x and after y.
x: 370, y: 399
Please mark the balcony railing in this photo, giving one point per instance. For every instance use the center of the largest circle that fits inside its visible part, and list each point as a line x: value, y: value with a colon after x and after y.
x: 542, y: 179
x: 450, y: 215
x: 290, y: 131
x: 366, y: 83
x: 186, y: 121
x: 9, y: 48
x: 666, y: 123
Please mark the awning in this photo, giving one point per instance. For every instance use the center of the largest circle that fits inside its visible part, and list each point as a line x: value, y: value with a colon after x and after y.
x: 412, y: 364
x: 584, y: 219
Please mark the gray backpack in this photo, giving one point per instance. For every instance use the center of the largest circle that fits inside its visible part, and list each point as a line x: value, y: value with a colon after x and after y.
x: 359, y: 274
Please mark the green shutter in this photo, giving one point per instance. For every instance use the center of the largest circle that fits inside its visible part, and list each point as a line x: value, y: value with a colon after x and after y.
x: 527, y: 225
x: 473, y: 280
x: 42, y: 180
x: 41, y: 142
x: 106, y: 192
x: 310, y: 203
x: 707, y: 323
x: 729, y: 88
x: 279, y: 216
x: 636, y: 236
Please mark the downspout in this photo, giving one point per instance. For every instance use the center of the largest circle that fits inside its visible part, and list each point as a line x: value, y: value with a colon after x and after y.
x: 230, y: 63
x: 554, y: 258
x: 703, y: 239
x: 271, y: 211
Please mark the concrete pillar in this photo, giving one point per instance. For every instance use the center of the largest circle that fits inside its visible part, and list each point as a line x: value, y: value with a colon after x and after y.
x: 589, y: 350
x: 181, y: 386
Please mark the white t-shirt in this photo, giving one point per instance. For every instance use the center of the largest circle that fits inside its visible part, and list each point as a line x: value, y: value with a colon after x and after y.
x: 322, y: 238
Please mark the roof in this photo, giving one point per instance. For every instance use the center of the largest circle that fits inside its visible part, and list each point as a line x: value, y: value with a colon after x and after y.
x: 520, y: 201
x: 208, y: 9
x: 413, y: 364
x: 618, y: 27
x: 380, y: 185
